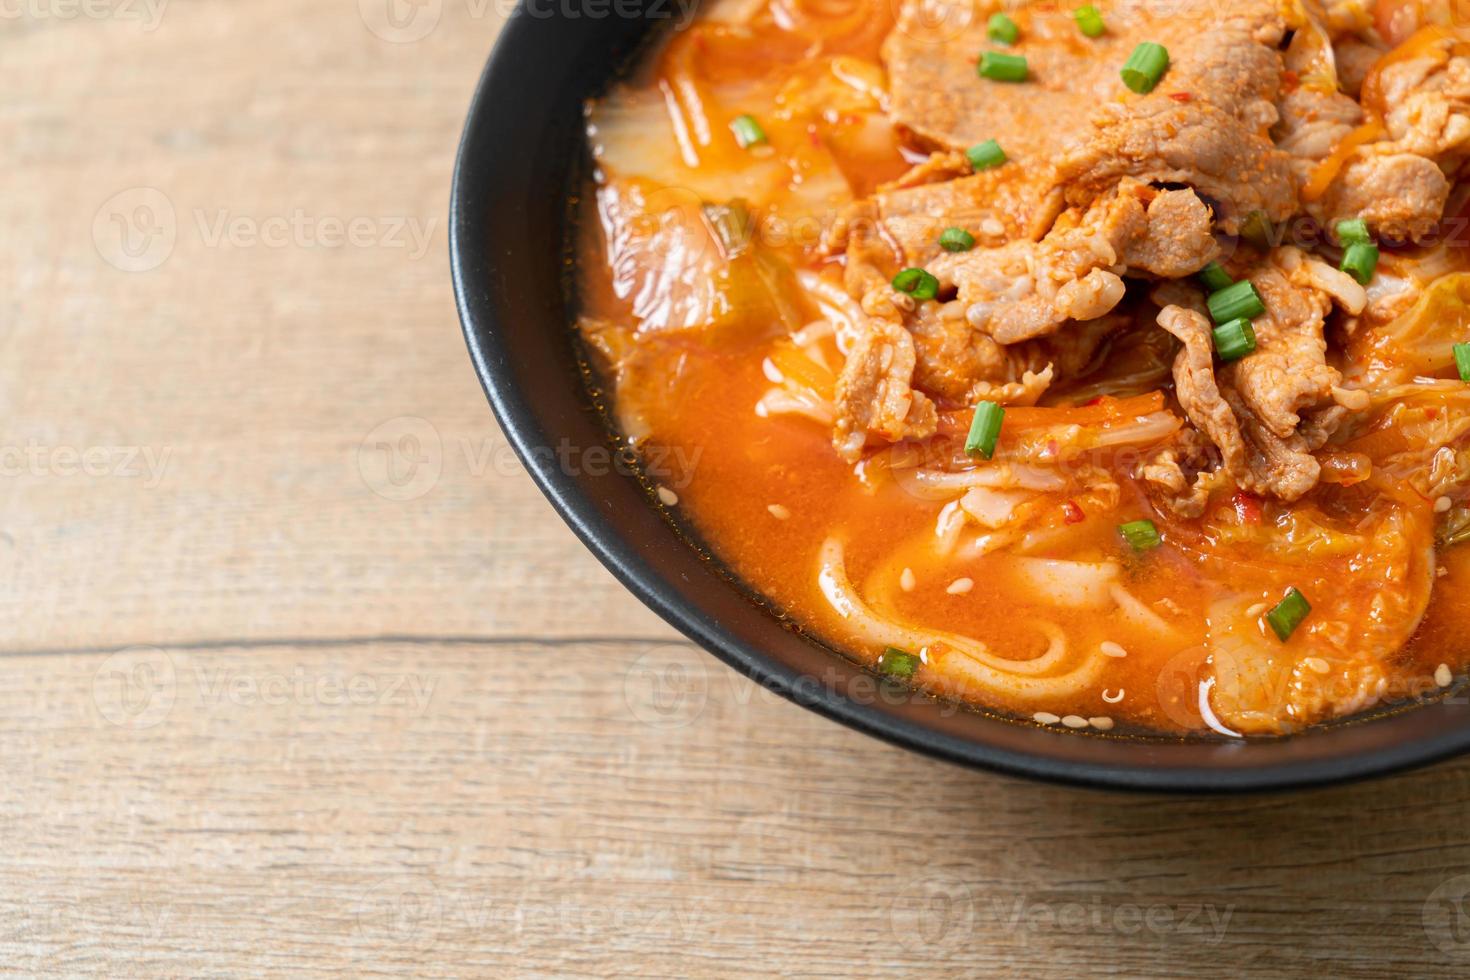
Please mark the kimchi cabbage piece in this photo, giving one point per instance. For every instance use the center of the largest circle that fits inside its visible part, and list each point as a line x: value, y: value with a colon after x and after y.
x: 1115, y: 400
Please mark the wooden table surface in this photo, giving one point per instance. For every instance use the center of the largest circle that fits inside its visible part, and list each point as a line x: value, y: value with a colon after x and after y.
x: 301, y: 675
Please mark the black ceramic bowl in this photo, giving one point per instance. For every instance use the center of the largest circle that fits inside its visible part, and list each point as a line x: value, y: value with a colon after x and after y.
x: 510, y: 224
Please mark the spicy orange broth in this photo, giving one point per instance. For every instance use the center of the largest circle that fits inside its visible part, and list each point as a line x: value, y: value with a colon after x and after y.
x: 745, y: 463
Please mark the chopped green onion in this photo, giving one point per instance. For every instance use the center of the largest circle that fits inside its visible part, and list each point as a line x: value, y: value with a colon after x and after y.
x: 1235, y: 339
x: 985, y: 155
x: 747, y: 131
x: 1003, y: 67
x: 1256, y: 229
x: 1089, y: 21
x: 1462, y: 360
x: 916, y: 283
x: 956, y: 240
x: 1288, y: 614
x: 1145, y: 66
x: 1215, y: 277
x: 1359, y: 261
x: 1141, y: 535
x: 1355, y: 230
x: 1002, y: 29
x: 984, y: 430
x: 1234, y: 302
x: 897, y: 663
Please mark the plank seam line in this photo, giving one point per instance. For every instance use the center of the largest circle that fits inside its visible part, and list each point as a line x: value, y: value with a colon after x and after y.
x: 331, y: 642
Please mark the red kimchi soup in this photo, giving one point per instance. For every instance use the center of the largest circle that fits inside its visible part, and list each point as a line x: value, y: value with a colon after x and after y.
x: 1102, y: 367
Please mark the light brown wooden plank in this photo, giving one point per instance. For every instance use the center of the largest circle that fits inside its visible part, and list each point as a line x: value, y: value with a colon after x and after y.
x: 596, y: 810
x: 495, y: 807
x: 267, y: 383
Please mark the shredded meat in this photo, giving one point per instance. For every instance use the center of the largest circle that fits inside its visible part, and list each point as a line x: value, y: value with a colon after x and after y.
x: 1182, y: 474
x: 899, y: 226
x: 1256, y: 457
x: 1400, y: 181
x: 1400, y: 195
x: 1215, y: 140
x: 1425, y: 103
x: 1176, y: 240
x: 875, y: 396
x: 1030, y: 289
x: 1103, y: 187
x: 1288, y: 371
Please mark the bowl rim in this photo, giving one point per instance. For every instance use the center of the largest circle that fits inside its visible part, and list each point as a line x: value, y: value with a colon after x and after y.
x: 481, y: 329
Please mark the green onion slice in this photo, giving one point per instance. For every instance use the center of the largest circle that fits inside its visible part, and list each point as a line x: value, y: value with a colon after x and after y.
x: 956, y: 240
x: 1002, y: 29
x: 1235, y: 339
x: 1288, y: 614
x: 1145, y: 66
x: 1355, y: 230
x: 747, y: 131
x: 984, y: 430
x: 1235, y: 302
x: 897, y: 663
x: 985, y: 155
x: 916, y: 283
x: 1359, y: 261
x: 1089, y: 21
x: 1215, y: 277
x: 1003, y: 67
x: 1462, y: 360
x: 1141, y: 535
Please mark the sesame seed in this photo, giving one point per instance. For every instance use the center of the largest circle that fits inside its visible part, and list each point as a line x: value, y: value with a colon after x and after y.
x: 669, y: 497
x: 1442, y: 675
x: 1074, y: 721
x: 1256, y: 610
x: 1443, y: 504
x: 1046, y: 718
x: 1318, y: 665
x: 779, y: 512
x: 992, y: 227
x: 906, y: 580
x: 1441, y: 572
x: 1102, y: 723
x: 960, y: 586
x: 1110, y: 649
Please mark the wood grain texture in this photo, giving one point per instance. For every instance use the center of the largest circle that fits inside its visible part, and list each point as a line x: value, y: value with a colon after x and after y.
x: 302, y: 677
